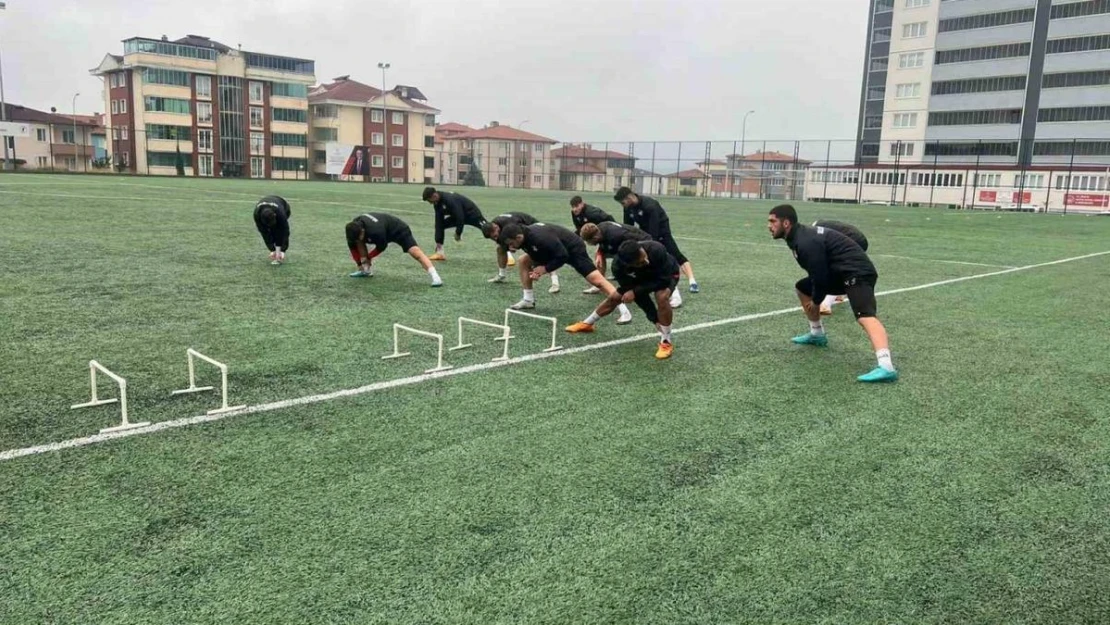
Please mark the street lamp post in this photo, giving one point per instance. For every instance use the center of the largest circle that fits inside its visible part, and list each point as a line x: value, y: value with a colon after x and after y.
x: 73, y: 108
x: 385, y: 123
x: 740, y: 163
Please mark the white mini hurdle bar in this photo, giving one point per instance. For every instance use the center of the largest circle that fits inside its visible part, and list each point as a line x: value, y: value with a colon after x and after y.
x: 397, y: 346
x: 191, y: 354
x: 504, y: 336
x: 125, y: 424
x: 554, y: 322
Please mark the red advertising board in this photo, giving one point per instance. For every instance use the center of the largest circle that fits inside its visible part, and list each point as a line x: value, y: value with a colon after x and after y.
x: 1024, y: 197
x: 1087, y: 199
x: 988, y: 196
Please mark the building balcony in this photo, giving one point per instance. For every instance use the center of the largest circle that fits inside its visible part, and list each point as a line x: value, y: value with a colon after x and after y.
x: 70, y: 149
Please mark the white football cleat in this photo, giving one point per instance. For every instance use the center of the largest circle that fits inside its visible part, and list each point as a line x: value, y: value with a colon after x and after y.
x: 496, y: 279
x: 554, y: 289
x: 524, y: 304
x: 593, y: 290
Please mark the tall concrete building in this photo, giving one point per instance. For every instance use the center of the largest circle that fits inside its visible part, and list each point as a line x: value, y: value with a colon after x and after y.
x: 213, y: 109
x: 1005, y: 82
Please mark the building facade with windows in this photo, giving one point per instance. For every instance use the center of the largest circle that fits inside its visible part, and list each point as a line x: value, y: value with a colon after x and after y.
x: 582, y: 168
x: 369, y: 127
x: 506, y: 156
x: 962, y: 93
x: 209, y: 109
x: 54, y: 141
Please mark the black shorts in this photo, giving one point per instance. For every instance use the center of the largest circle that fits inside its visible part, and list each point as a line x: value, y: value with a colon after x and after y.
x: 403, y: 238
x: 580, y: 260
x: 859, y: 290
x: 667, y: 239
x: 651, y: 286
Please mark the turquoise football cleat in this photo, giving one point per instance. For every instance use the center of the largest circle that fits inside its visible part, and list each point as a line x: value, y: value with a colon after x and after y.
x: 361, y: 274
x: 820, y: 340
x: 878, y: 374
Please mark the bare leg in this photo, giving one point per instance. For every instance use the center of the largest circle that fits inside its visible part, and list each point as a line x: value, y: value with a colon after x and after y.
x: 876, y: 332
x: 596, y: 278
x: 524, y: 263
x: 663, y: 303
x: 421, y: 258
x: 811, y: 311
x: 688, y: 271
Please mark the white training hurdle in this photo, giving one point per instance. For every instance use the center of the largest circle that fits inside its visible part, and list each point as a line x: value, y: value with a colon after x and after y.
x: 397, y: 349
x: 125, y: 424
x: 554, y: 322
x: 504, y: 336
x: 191, y: 354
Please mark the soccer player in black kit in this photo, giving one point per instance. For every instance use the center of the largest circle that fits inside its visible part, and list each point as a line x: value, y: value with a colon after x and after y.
x: 368, y: 235
x: 648, y: 214
x: 647, y: 274
x: 452, y: 211
x: 492, y: 230
x: 271, y: 217
x: 608, y: 237
x: 548, y: 247
x: 581, y: 214
x: 838, y: 265
x: 852, y: 233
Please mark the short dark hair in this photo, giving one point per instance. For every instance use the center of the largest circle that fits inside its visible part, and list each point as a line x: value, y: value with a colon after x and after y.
x: 268, y: 215
x: 622, y: 193
x: 429, y: 192
x: 785, y: 212
x: 510, y: 231
x: 354, y: 229
x: 487, y: 229
x: 576, y: 200
x: 629, y: 252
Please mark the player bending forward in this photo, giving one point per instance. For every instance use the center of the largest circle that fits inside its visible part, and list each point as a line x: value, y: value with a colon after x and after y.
x: 492, y: 230
x: 647, y: 274
x: 548, y: 247
x: 370, y: 234
x: 852, y: 233
x: 608, y: 237
x: 835, y: 264
x: 271, y: 217
x: 452, y: 210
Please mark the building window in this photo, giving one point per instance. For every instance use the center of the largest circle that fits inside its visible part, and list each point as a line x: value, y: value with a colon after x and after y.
x: 522, y: 162
x: 327, y: 111
x: 256, y: 117
x: 204, y: 140
x: 289, y: 90
x: 911, y: 60
x: 1067, y: 148
x: 880, y: 35
x: 977, y: 148
x: 166, y: 105
x: 988, y: 180
x: 1076, y: 79
x: 537, y: 179
x: 1029, y: 181
x: 289, y: 140
x: 123, y: 133
x: 986, y: 20
x: 979, y: 85
x: 112, y: 82
x: 150, y: 46
x: 1074, y: 114
x: 905, y: 120
x: 873, y: 121
x: 985, y: 53
x: 67, y: 137
x: 258, y: 143
x: 880, y: 64
x: 397, y: 118
x: 319, y: 157
x: 1079, y: 9
x: 41, y: 161
x: 398, y: 140
x: 537, y: 147
x: 377, y: 138
x: 115, y: 107
x: 161, y: 159
x: 280, y: 63
x: 908, y: 90
x: 429, y: 162
x: 916, y: 4
x: 503, y: 162
x: 204, y: 113
x: 325, y: 134
x: 157, y: 76
x: 501, y: 178
x: 204, y: 87
x: 376, y: 116
x: 258, y: 167
x: 162, y: 131
x: 377, y: 160
x: 204, y: 163
x: 125, y: 159
x: 40, y: 135
x: 290, y: 115
x: 289, y: 164
x: 255, y: 92
x: 914, y: 30
x: 1078, y: 44
x: 430, y: 120
x: 899, y: 148
x: 398, y: 162
x: 975, y: 118
x: 538, y: 163
x: 429, y: 141
x: 123, y: 107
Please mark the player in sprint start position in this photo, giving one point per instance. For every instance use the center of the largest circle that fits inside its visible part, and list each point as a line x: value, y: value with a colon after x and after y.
x: 492, y: 231
x: 370, y: 234
x: 548, y: 247
x: 648, y: 214
x: 647, y: 274
x: 452, y: 211
x: 581, y: 214
x: 609, y: 236
x: 271, y: 217
x: 835, y: 265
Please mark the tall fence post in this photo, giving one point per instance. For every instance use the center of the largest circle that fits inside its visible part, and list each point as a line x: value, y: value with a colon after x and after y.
x: 825, y: 174
x: 1071, y: 168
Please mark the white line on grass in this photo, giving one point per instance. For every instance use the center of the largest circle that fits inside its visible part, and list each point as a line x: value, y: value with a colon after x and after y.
x: 418, y: 379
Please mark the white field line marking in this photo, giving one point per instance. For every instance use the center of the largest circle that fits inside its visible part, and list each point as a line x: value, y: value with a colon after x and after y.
x: 427, y: 377
x: 353, y: 205
x: 924, y: 260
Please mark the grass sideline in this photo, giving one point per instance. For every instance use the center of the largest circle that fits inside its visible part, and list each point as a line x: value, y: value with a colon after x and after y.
x: 744, y: 481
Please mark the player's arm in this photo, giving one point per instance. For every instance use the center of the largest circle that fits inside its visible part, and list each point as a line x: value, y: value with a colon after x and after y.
x: 628, y: 220
x: 811, y: 255
x: 439, y: 225
x: 459, y: 215
x: 552, y: 248
x: 626, y: 285
x: 281, y: 231
x: 267, y: 236
x: 654, y: 214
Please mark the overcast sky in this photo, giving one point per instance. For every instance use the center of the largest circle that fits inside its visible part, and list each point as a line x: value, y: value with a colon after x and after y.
x: 598, y: 70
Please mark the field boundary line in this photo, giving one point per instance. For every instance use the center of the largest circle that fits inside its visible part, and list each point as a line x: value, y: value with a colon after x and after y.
x: 427, y: 377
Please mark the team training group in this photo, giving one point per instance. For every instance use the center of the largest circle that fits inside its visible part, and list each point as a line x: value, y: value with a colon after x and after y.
x: 647, y: 263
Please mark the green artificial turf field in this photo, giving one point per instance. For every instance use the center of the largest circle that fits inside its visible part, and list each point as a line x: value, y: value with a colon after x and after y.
x: 746, y: 480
